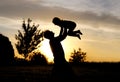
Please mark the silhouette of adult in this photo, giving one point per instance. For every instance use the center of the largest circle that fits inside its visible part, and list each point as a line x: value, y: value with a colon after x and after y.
x: 56, y: 46
x: 6, y: 51
x: 61, y: 70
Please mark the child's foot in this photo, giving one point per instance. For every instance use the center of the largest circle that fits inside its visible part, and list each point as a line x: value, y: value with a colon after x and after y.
x: 79, y: 37
x: 80, y: 32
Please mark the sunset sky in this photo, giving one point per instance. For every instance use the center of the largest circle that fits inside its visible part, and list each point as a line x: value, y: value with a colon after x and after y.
x: 98, y: 20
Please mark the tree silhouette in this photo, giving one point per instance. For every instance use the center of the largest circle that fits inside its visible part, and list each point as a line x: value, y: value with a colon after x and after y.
x: 77, y: 56
x: 6, y: 51
x: 29, y: 39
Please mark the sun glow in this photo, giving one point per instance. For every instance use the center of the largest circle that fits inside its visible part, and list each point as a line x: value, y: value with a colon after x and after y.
x: 45, y: 49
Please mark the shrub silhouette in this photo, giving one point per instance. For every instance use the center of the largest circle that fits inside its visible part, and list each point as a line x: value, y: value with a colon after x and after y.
x: 38, y: 59
x: 29, y: 39
x: 6, y: 51
x: 77, y: 56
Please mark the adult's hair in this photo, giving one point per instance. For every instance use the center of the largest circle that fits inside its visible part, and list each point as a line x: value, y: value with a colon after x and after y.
x: 48, y: 34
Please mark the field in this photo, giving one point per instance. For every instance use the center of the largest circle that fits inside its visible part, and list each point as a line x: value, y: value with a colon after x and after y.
x: 84, y: 72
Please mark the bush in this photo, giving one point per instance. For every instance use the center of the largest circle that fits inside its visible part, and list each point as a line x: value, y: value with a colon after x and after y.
x: 77, y: 56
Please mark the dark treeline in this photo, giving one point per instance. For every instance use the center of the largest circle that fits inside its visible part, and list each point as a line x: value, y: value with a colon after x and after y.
x: 99, y: 65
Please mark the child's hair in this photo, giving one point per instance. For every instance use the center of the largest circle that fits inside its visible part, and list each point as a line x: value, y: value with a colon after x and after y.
x: 56, y: 20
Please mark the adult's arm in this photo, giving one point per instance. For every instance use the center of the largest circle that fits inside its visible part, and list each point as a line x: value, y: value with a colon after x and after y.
x: 61, y: 31
x: 63, y: 34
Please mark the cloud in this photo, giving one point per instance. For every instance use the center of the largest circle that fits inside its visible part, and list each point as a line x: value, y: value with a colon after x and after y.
x: 13, y: 8
x: 98, y: 20
x: 9, y: 23
x: 37, y: 9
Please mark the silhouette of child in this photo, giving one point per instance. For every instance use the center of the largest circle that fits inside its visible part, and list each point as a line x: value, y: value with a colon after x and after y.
x: 69, y: 25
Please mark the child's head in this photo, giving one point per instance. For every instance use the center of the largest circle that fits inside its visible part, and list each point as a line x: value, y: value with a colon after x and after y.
x: 48, y: 34
x: 56, y: 20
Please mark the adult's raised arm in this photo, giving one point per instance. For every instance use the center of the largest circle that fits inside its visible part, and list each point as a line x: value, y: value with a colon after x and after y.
x: 63, y: 34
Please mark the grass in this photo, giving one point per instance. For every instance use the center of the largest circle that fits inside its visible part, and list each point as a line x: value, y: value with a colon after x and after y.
x: 84, y: 72
x: 25, y: 73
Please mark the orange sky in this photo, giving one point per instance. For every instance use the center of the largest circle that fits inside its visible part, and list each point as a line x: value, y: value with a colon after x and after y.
x: 98, y: 21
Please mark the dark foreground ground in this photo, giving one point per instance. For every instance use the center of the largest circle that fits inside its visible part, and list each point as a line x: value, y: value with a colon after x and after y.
x: 91, y: 72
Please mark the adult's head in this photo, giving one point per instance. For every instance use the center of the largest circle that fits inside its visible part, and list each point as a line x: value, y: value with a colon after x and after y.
x: 48, y: 34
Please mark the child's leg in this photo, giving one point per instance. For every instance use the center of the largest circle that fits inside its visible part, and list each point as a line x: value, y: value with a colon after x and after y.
x: 74, y: 34
x: 71, y: 31
x: 78, y: 31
